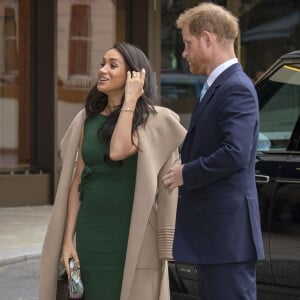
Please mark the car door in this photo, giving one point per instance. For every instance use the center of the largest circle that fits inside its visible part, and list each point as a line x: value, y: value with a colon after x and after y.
x: 285, y: 227
x: 267, y: 167
x: 278, y: 180
x: 285, y: 218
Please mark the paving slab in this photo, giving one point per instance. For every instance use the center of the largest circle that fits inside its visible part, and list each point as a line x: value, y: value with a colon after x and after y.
x: 22, y: 232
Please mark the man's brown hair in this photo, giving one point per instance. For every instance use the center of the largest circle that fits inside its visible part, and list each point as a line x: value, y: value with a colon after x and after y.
x: 212, y: 18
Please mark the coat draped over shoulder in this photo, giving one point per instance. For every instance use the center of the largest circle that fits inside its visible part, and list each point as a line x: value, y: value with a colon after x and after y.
x: 151, y: 233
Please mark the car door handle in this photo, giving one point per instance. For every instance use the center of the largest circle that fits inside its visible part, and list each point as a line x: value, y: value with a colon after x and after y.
x: 262, y: 178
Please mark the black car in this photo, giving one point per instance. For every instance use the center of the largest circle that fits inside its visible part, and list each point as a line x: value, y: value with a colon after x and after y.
x: 278, y: 185
x: 278, y: 178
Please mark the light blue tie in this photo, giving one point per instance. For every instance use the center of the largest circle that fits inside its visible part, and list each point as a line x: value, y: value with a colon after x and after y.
x: 203, y: 91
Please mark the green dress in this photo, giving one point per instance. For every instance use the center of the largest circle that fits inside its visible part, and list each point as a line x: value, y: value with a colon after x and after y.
x: 106, y: 194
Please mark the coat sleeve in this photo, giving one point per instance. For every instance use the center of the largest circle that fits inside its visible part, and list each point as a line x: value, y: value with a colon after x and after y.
x: 166, y: 212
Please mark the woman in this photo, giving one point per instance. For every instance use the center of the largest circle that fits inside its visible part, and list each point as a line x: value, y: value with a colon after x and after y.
x: 123, y: 217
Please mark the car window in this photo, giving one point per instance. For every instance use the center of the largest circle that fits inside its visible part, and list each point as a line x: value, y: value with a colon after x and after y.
x: 280, y: 107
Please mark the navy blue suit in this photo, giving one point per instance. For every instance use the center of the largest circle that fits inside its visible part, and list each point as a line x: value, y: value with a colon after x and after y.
x: 218, y: 219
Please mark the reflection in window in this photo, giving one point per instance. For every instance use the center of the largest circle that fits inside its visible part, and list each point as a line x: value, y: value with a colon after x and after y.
x: 79, y: 47
x: 279, y: 115
x: 9, y: 99
x: 10, y: 45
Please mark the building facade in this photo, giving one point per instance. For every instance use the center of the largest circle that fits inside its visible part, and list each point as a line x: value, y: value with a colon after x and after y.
x: 50, y: 52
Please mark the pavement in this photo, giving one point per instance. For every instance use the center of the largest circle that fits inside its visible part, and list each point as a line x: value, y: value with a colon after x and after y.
x: 22, y: 232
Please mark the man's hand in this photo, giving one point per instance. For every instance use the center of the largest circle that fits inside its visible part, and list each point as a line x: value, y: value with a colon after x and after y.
x: 174, y: 177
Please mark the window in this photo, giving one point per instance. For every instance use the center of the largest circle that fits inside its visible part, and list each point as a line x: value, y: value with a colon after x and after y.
x: 10, y: 45
x: 280, y: 112
x: 79, y: 47
x: 14, y: 100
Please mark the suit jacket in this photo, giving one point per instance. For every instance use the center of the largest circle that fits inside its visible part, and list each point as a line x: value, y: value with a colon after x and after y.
x: 218, y: 217
x: 153, y: 215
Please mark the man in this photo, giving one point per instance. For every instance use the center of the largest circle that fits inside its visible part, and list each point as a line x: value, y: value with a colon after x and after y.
x: 218, y: 222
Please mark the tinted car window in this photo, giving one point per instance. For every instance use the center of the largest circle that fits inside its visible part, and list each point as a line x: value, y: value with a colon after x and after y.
x: 279, y: 116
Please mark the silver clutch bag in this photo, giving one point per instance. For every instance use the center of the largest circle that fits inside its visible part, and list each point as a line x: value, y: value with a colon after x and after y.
x: 75, y: 286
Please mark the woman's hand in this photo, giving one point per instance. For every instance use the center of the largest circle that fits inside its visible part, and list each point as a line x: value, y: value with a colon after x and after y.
x: 134, y: 87
x: 68, y: 252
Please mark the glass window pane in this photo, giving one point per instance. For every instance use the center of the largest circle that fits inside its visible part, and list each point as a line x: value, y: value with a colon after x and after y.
x: 10, y: 129
x: 279, y: 114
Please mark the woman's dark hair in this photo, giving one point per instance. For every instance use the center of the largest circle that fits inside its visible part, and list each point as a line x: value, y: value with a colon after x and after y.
x: 96, y: 101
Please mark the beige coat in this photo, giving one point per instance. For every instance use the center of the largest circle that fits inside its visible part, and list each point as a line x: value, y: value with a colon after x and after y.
x: 151, y: 231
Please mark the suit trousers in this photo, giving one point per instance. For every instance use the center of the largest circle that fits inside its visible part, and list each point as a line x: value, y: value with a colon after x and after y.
x: 230, y: 281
